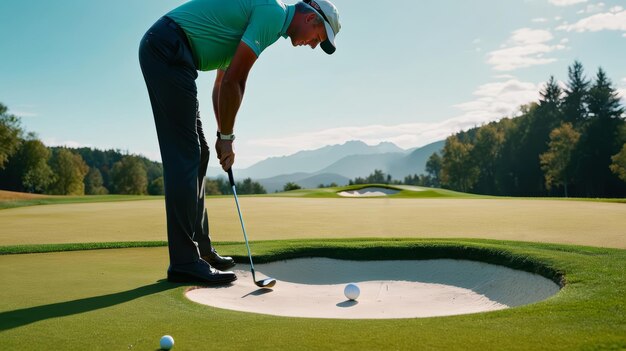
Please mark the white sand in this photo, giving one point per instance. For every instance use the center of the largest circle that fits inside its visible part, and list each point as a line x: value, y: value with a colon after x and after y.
x: 369, y: 191
x: 313, y: 287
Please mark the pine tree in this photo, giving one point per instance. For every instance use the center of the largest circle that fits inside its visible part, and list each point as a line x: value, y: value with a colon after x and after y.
x: 600, y: 140
x: 550, y: 103
x: 574, y: 103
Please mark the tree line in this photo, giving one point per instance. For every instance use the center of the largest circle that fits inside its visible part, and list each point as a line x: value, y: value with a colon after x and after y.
x: 27, y: 165
x: 571, y: 142
x: 221, y: 186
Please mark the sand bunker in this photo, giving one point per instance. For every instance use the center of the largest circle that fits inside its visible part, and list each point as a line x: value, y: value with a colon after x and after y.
x: 313, y: 287
x: 369, y: 191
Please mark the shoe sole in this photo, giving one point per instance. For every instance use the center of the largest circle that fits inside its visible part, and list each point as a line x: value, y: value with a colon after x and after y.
x: 176, y: 277
x: 222, y: 268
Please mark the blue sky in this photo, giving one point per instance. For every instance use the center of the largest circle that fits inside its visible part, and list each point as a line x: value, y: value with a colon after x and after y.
x: 409, y: 72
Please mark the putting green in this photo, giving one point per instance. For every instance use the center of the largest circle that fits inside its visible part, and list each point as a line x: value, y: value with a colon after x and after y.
x: 114, y: 299
x: 268, y: 218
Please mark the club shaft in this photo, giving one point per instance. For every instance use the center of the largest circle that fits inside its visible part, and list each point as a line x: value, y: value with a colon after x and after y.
x: 243, y: 228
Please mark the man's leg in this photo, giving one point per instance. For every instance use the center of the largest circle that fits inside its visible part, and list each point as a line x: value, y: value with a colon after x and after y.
x: 202, y: 233
x: 170, y: 74
x: 173, y: 92
x: 203, y: 237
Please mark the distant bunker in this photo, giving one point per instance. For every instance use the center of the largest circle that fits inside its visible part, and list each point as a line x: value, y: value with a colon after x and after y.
x: 368, y: 191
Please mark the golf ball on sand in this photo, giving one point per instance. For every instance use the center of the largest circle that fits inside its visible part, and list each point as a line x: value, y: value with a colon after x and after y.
x: 351, y: 291
x: 167, y: 342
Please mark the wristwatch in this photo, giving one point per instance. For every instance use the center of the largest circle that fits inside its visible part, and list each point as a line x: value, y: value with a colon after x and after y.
x: 221, y: 136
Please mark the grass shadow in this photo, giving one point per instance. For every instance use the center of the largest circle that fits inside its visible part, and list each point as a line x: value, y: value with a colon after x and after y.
x: 25, y: 316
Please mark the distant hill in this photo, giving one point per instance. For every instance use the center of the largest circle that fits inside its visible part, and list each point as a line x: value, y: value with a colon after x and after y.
x: 362, y: 165
x: 312, y: 161
x: 398, y: 165
x: 414, y: 162
x: 305, y: 180
x: 337, y: 164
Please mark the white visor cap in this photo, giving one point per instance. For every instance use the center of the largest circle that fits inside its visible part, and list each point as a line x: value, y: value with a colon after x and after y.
x: 330, y: 15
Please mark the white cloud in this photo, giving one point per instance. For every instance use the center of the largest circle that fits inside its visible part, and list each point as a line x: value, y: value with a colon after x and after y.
x: 622, y: 91
x: 566, y: 2
x: 593, y: 8
x: 526, y: 47
x: 498, y: 99
x: 539, y: 20
x: 531, y: 36
x: 493, y: 101
x: 622, y: 94
x: 612, y: 20
x: 504, y: 76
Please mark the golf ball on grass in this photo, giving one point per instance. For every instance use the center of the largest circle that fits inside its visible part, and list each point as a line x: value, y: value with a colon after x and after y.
x: 167, y: 342
x: 351, y: 291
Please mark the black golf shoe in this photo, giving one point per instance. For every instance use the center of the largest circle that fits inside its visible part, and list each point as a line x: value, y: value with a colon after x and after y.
x: 198, y: 272
x: 219, y: 262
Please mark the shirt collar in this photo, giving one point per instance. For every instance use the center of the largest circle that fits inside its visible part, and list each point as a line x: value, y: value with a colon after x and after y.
x: 291, y: 10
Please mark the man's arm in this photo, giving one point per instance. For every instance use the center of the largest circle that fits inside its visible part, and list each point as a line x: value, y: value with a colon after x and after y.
x: 232, y: 87
x: 216, y: 95
x: 229, y: 96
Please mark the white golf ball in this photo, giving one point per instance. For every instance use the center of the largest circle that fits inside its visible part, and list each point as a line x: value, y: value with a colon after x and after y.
x: 351, y: 291
x: 167, y: 342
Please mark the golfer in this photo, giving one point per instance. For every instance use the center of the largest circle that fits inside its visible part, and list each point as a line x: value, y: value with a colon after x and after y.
x: 203, y: 35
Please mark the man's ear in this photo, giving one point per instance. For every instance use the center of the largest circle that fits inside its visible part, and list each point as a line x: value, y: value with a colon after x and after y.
x: 310, y: 17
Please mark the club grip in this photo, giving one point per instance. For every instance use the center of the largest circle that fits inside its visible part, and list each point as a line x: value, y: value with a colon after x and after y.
x: 231, y: 179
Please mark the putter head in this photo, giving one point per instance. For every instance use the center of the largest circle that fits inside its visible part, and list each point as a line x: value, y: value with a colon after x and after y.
x: 265, y: 283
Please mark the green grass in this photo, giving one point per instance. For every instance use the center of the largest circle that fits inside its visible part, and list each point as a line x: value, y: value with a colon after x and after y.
x: 43, y: 248
x: 55, y: 200
x: 277, y: 217
x: 116, y: 299
x: 404, y: 192
x: 78, y: 296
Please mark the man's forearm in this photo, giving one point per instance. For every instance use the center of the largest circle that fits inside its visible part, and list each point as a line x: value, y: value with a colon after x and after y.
x: 215, y: 98
x: 230, y: 95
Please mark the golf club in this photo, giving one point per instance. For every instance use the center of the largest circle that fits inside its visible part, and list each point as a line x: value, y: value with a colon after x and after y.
x: 264, y: 283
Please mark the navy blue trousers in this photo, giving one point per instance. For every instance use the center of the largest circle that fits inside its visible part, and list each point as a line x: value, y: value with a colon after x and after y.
x: 170, y: 74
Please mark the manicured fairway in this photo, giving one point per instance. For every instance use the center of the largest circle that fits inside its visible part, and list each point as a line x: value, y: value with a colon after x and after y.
x: 268, y: 218
x: 116, y: 300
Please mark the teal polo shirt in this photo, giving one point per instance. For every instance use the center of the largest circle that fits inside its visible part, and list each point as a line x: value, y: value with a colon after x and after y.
x: 216, y: 27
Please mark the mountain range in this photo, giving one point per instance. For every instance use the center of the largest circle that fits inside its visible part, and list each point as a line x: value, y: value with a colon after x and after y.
x: 337, y: 164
